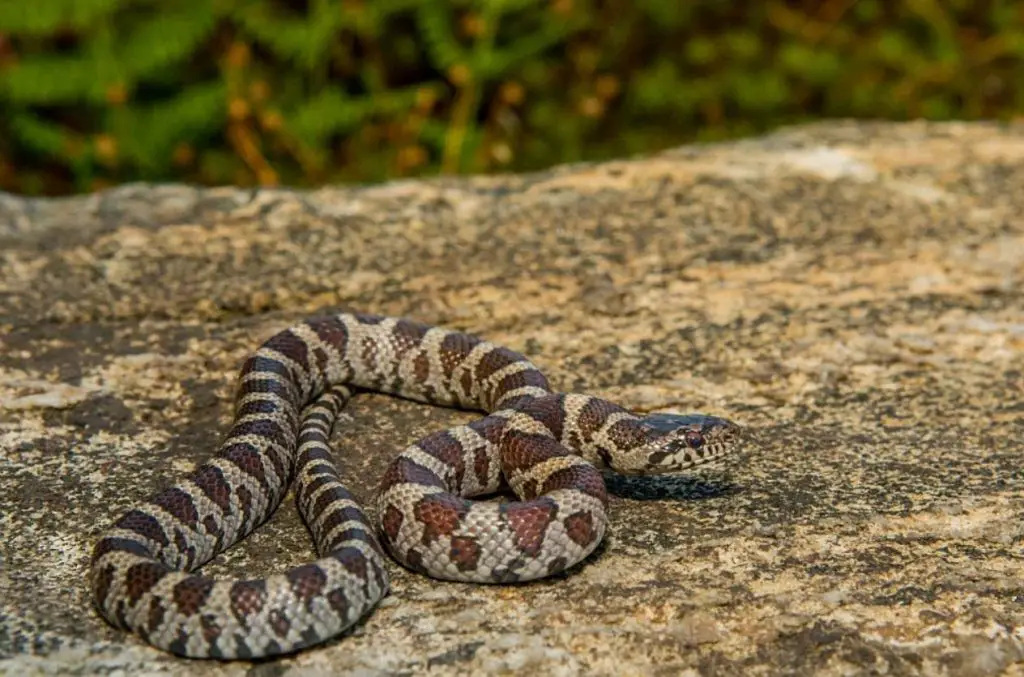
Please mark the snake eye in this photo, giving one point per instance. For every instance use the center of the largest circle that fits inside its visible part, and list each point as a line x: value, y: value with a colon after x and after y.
x: 694, y: 439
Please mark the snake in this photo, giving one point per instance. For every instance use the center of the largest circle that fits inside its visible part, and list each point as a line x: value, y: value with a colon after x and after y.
x: 432, y: 511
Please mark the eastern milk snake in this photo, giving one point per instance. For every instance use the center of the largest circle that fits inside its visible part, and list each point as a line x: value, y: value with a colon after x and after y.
x: 545, y: 445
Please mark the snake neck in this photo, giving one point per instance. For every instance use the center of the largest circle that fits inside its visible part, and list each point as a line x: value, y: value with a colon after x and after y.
x: 596, y: 429
x: 613, y: 437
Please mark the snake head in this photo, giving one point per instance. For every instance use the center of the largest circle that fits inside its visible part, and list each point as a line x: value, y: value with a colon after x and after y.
x: 677, y: 442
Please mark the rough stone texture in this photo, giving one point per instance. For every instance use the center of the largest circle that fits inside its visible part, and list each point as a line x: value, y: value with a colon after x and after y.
x: 850, y: 292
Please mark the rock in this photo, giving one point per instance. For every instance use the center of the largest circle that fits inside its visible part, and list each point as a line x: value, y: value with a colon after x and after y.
x: 851, y: 293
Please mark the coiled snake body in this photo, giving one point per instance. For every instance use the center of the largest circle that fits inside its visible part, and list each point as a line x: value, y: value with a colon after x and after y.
x: 545, y: 445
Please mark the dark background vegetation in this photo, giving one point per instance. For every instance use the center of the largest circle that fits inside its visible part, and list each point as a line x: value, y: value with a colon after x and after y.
x: 99, y: 92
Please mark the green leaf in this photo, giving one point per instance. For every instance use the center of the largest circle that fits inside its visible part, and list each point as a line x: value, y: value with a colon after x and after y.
x: 759, y: 91
x: 305, y: 40
x: 331, y: 112
x: 496, y: 63
x: 49, y: 80
x: 893, y: 46
x: 701, y: 51
x: 147, y: 134
x: 167, y: 38
x: 867, y: 10
x: 743, y: 45
x: 434, y: 24
x: 39, y: 135
x: 817, y: 66
x: 670, y: 15
x: 936, y: 108
x: 44, y: 17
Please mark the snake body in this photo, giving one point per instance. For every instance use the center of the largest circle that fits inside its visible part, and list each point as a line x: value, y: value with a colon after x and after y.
x: 546, y: 446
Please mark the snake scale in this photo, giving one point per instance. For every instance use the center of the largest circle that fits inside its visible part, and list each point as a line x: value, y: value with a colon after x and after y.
x: 546, y: 446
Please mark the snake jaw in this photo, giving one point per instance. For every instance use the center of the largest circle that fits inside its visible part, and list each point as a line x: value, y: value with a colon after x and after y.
x: 680, y: 442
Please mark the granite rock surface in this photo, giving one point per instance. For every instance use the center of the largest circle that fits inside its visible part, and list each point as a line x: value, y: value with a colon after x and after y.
x: 852, y: 294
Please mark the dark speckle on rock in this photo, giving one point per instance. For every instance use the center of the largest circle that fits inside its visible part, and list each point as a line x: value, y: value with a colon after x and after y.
x: 96, y: 414
x: 848, y: 293
x: 460, y: 654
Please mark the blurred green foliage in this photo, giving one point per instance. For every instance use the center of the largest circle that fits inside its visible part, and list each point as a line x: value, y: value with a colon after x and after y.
x: 98, y: 92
